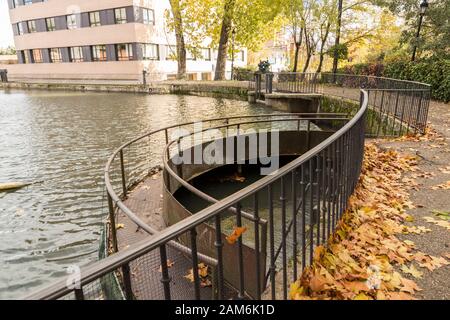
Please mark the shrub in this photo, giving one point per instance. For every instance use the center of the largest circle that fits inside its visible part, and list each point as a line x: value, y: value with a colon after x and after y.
x: 433, y: 71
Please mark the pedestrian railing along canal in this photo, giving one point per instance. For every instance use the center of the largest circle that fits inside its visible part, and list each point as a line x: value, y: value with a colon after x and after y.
x: 308, y: 195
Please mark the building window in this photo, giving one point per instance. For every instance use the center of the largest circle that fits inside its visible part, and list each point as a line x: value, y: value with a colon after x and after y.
x: 148, y: 16
x: 72, y: 21
x: 120, y: 15
x: 27, y: 2
x: 20, y: 28
x: 26, y: 57
x: 76, y: 54
x: 240, y: 56
x: 55, y: 55
x: 50, y: 22
x: 31, y: 26
x: 190, y: 55
x: 151, y: 52
x: 124, y: 52
x: 37, y: 56
x: 94, y: 19
x: 171, y: 53
x: 206, y: 54
x: 99, y: 53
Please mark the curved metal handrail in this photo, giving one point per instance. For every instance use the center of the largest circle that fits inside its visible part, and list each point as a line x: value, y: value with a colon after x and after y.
x: 121, y: 259
x: 116, y: 199
x: 169, y: 235
x: 200, y: 193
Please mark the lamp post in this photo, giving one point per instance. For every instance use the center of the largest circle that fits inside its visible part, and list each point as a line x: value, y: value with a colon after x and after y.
x: 233, y: 34
x: 423, y: 9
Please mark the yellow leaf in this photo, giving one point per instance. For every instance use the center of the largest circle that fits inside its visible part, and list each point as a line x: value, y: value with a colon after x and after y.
x: 412, y: 271
x: 120, y: 226
x: 362, y: 296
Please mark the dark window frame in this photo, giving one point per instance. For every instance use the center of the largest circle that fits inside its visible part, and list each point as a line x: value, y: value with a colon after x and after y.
x: 129, y: 56
x: 96, y: 55
x: 58, y: 58
x: 122, y: 19
x: 72, y: 57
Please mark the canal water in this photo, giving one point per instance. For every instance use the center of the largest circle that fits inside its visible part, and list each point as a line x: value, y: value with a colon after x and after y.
x: 61, y: 141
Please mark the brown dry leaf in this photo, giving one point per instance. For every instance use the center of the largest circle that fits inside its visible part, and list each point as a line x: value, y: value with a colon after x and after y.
x: 120, y: 226
x: 444, y: 186
x: 203, y: 275
x: 412, y: 271
x: 358, y: 262
x: 447, y: 256
x: 400, y: 296
x: 237, y: 233
x: 445, y: 170
x: 170, y: 264
x: 433, y: 263
x: 409, y: 286
x: 441, y: 223
x: 317, y: 283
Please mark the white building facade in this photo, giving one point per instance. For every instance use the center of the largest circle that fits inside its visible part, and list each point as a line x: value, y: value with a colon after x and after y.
x: 101, y: 40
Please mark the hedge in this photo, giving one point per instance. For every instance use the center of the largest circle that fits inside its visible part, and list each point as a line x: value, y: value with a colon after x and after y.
x: 433, y: 71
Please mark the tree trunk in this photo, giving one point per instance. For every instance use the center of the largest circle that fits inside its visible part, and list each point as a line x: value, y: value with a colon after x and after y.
x: 298, y: 45
x: 181, y: 46
x: 322, y: 48
x: 309, y: 52
x: 338, y: 37
x: 308, y: 60
x: 222, y: 53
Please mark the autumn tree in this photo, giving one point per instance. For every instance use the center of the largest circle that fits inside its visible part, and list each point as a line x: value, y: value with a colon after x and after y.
x: 226, y: 29
x: 177, y: 25
x: 292, y: 14
x: 435, y: 35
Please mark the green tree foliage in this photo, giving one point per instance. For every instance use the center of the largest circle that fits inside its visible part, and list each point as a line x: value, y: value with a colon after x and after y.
x: 435, y: 34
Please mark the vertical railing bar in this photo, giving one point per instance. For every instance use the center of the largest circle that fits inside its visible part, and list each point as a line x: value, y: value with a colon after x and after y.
x: 284, y: 235
x: 219, y: 251
x: 257, y: 246
x: 241, y: 294
x: 294, y: 218
x: 272, y: 244
x: 311, y: 212
x: 318, y: 195
x: 79, y: 294
x: 165, y: 278
x: 303, y: 195
x: 122, y: 169
x: 127, y: 281
x: 195, y: 264
x: 112, y: 221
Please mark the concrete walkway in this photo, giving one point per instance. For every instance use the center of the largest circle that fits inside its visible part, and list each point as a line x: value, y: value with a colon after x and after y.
x: 434, y: 170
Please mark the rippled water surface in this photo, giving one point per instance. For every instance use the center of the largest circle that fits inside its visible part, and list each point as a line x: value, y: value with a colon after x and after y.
x: 61, y: 141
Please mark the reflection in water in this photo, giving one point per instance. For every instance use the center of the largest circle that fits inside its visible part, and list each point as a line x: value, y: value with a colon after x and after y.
x: 61, y: 141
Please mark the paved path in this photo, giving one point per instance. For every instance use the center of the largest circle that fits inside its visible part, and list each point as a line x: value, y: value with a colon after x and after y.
x: 434, y: 157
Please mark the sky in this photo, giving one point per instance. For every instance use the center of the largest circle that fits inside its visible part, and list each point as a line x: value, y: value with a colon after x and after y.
x: 6, y: 35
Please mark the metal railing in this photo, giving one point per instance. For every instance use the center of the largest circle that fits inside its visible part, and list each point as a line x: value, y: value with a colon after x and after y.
x: 302, y: 201
x: 405, y: 103
x: 330, y: 156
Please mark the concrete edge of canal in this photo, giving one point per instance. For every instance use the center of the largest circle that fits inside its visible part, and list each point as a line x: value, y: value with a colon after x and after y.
x: 223, y: 89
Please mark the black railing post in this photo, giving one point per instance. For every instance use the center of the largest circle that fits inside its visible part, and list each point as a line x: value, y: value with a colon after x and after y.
x: 219, y: 252
x: 127, y: 282
x: 257, y: 245
x: 241, y: 294
x: 195, y: 264
x: 122, y: 170
x: 112, y: 222
x: 165, y: 278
